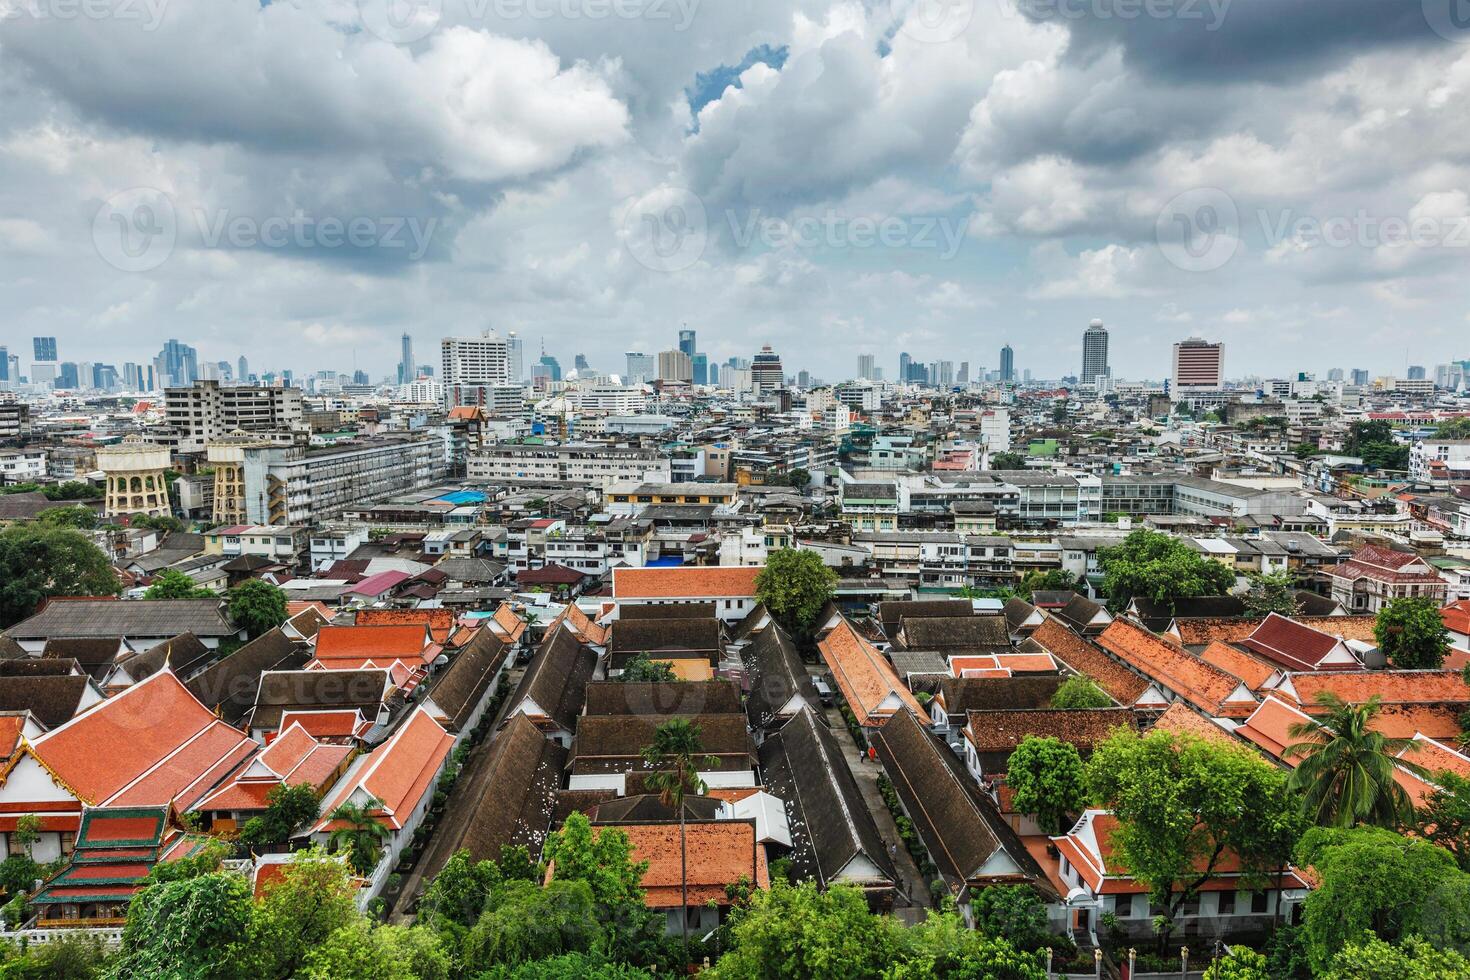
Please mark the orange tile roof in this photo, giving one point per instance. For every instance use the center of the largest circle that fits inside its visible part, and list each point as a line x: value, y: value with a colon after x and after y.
x: 967, y: 666
x: 102, y: 751
x: 377, y: 643
x: 1343, y: 627
x: 1408, y: 720
x: 1204, y: 685
x: 866, y: 678
x: 337, y: 723
x: 506, y: 624
x: 1254, y: 672
x: 1027, y: 663
x: 1456, y: 617
x: 720, y: 853
x: 295, y: 607
x: 1202, y: 631
x: 686, y: 582
x: 440, y: 622
x: 400, y: 771
x: 11, y: 726
x: 582, y: 624
x: 1296, y: 646
x: 1391, y: 686
x: 1121, y: 684
x: 1180, y: 719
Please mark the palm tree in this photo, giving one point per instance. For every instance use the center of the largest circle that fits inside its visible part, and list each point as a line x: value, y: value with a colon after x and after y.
x: 1347, y: 769
x: 361, y: 833
x: 676, y: 774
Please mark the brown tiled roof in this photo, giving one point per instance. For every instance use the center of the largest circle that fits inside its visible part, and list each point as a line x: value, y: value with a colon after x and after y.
x: 1343, y: 627
x: 556, y: 679
x: 185, y: 655
x: 1156, y: 615
x: 1017, y: 611
x: 1205, y: 686
x: 954, y: 634
x: 461, y: 686
x: 96, y: 654
x: 775, y: 673
x: 865, y: 677
x: 626, y: 736
x: 686, y: 582
x: 667, y: 610
x: 52, y: 698
x: 284, y: 690
x: 229, y: 685
x: 1202, y: 631
x: 663, y: 698
x: 720, y: 853
x: 1293, y: 645
x: 1254, y: 672
x: 889, y: 613
x: 962, y: 694
x: 699, y: 637
x: 957, y: 822
x: 1121, y: 684
x: 1180, y: 719
x: 1002, y: 731
x: 1391, y: 686
x: 1079, y: 612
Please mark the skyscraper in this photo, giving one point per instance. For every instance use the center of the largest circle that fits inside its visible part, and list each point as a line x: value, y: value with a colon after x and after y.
x: 1095, y: 353
x: 517, y: 362
x: 68, y: 377
x: 865, y: 367
x: 5, y: 364
x: 579, y: 362
x: 406, y: 372
x: 962, y: 376
x: 904, y: 361
x: 177, y: 365
x: 45, y: 348
x: 1334, y: 374
x: 675, y: 365
x: 641, y: 368
x: 765, y: 371
x: 1007, y: 363
x: 1198, y: 366
x: 1360, y: 376
x: 687, y: 343
x: 699, y: 367
x: 242, y: 369
x: 1416, y: 373
x: 483, y: 360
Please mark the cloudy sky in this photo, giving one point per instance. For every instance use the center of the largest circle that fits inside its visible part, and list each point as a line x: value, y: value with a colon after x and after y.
x: 303, y: 181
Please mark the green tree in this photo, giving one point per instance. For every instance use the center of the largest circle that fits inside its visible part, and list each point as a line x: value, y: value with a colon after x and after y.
x: 799, y: 932
x: 78, y: 517
x: 38, y: 562
x: 458, y: 894
x: 1455, y: 428
x: 799, y: 478
x: 1014, y: 913
x: 1373, y: 959
x: 1052, y: 580
x: 1047, y: 778
x: 1370, y: 880
x: 1007, y: 461
x: 18, y: 873
x: 1273, y: 592
x: 1305, y: 450
x: 1160, y: 567
x: 256, y: 605
x: 1444, y: 816
x: 361, y: 950
x: 1367, y: 433
x: 174, y: 584
x: 941, y: 946
x: 314, y: 897
x: 1411, y: 634
x: 640, y: 669
x: 604, y: 860
x: 73, y: 490
x: 525, y: 921
x: 568, y: 966
x: 1242, y: 963
x: 1080, y: 692
x: 674, y: 757
x: 191, y: 929
x: 1346, y: 772
x: 1184, y: 806
x: 286, y: 809
x: 794, y: 586
x: 63, y: 957
x: 360, y: 834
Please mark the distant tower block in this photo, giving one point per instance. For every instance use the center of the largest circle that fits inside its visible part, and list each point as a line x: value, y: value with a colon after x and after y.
x: 227, y: 457
x: 134, y: 470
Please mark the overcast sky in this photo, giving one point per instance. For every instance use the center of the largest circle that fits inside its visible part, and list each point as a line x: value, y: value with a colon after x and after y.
x: 303, y: 181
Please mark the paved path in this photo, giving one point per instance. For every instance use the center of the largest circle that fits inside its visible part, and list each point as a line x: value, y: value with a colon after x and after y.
x: 867, y: 779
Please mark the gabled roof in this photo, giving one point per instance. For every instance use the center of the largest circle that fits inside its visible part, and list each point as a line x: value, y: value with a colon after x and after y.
x: 1021, y: 615
x: 572, y: 617
x: 1294, y: 646
x: 1445, y: 687
x: 869, y: 684
x: 506, y: 624
x: 965, y: 834
x: 665, y: 639
x: 229, y: 685
x: 294, y: 758
x: 1256, y: 673
x: 552, y: 573
x: 1156, y: 615
x: 1000, y: 731
x: 962, y: 694
x: 831, y: 826
x: 954, y: 634
x: 686, y: 582
x: 663, y: 610
x: 462, y: 686
x: 1456, y: 617
x: 614, y: 743
x: 439, y: 622
x: 1204, y: 685
x: 53, y: 698
x: 153, y: 744
x: 378, y: 646
x: 1383, y: 565
x: 1120, y: 683
x: 555, y: 682
x: 889, y: 613
x: 111, y: 617
x: 397, y: 773
x: 663, y: 698
x: 720, y: 853
x: 280, y: 691
x: 96, y: 655
x: 1180, y: 719
x: 1083, y: 614
x: 1268, y: 727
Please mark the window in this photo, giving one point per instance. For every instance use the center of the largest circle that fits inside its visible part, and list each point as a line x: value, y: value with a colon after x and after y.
x: 68, y: 842
x: 1226, y: 904
x: 1259, y: 903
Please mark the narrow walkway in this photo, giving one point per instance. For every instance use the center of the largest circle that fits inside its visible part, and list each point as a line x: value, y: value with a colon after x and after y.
x: 866, y: 774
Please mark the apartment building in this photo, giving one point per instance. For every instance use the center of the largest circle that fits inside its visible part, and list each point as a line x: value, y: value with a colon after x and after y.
x: 578, y: 465
x: 294, y: 485
x: 941, y: 560
x: 207, y: 411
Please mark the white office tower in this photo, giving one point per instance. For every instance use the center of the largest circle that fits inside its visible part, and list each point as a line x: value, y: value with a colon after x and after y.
x: 517, y: 364
x: 1095, y: 353
x: 473, y: 367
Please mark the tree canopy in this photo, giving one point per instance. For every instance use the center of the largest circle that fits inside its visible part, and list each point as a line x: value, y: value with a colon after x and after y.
x: 257, y: 605
x: 1079, y: 691
x: 1047, y: 778
x: 1007, y: 461
x: 1346, y: 768
x: 174, y: 584
x: 794, y: 586
x: 38, y: 562
x: 1272, y: 592
x: 1161, y: 567
x: 1411, y: 633
x: 639, y: 669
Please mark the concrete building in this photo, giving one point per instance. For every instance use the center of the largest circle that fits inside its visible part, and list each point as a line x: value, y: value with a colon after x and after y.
x: 296, y: 485
x: 675, y: 365
x: 766, y: 373
x: 133, y: 477
x: 1198, y: 366
x: 588, y: 466
x: 207, y: 411
x: 1095, y: 353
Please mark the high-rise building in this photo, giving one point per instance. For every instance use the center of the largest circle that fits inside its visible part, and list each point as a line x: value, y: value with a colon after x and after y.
x: 45, y: 348
x: 905, y: 363
x: 406, y: 372
x: 177, y: 365
x: 944, y: 372
x: 687, y: 343
x: 1095, y: 353
x: 1007, y: 363
x: 242, y: 369
x: 200, y: 413
x: 765, y: 371
x: 517, y: 363
x: 133, y: 377
x: 482, y: 360
x: 803, y: 380
x: 865, y: 367
x: 550, y: 367
x: 5, y: 364
x: 699, y: 369
x: 1416, y: 372
x: 1198, y: 366
x: 641, y: 368
x: 579, y: 362
x: 1360, y: 376
x: 68, y: 377
x: 675, y: 365
x: 962, y: 376
x: 1334, y: 374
